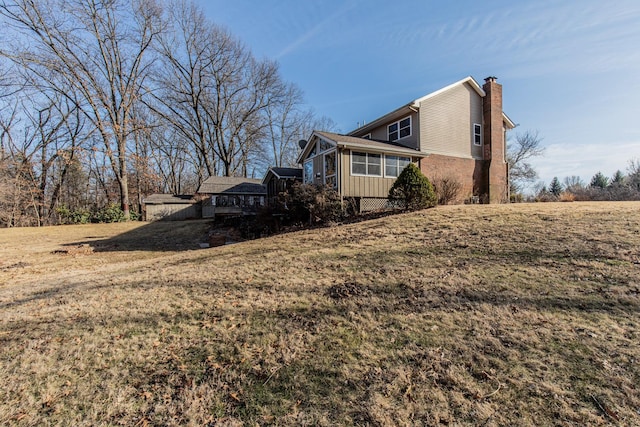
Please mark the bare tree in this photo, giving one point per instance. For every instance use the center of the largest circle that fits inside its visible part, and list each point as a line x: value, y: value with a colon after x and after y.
x: 189, y: 52
x: 70, y: 183
x: 99, y: 49
x: 633, y: 174
x: 287, y: 123
x: 573, y: 182
x: 174, y: 161
x: 526, y: 146
x: 213, y: 91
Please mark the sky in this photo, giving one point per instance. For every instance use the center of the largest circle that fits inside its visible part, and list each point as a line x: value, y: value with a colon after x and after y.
x: 569, y: 69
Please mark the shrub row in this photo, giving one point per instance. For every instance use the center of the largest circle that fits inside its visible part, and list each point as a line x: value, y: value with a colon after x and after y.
x: 107, y: 214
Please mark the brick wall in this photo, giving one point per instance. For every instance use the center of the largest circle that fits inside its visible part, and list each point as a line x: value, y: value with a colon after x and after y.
x: 468, y: 172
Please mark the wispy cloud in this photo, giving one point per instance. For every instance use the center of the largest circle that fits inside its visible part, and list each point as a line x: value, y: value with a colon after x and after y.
x: 316, y: 29
x: 536, y: 38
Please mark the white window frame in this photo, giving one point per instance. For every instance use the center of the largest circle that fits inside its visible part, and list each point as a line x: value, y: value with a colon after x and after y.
x: 367, y: 136
x: 399, y: 129
x: 397, y: 161
x: 477, y: 131
x: 367, y: 154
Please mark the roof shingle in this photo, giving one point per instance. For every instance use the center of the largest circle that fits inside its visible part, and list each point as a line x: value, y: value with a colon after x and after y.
x: 231, y: 185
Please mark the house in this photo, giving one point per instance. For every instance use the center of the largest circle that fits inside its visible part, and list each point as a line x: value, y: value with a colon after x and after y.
x: 279, y: 180
x: 457, y: 132
x: 360, y: 169
x: 169, y: 207
x: 231, y: 196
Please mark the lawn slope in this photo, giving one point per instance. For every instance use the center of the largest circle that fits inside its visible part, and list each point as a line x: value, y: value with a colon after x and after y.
x: 468, y: 315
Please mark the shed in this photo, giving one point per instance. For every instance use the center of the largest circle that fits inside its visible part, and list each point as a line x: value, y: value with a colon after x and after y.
x: 278, y: 180
x: 170, y: 207
x: 231, y: 196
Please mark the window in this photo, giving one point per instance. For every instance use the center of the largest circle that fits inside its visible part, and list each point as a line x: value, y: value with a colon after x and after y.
x: 324, y: 145
x: 367, y: 136
x: 400, y: 129
x: 366, y: 164
x: 330, y: 169
x: 308, y: 171
x: 477, y: 134
x: 393, y: 165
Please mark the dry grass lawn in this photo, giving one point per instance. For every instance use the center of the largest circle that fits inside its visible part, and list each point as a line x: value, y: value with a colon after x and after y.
x: 462, y: 315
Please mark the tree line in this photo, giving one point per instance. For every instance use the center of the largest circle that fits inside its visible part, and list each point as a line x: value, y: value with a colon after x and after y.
x: 619, y: 186
x: 527, y: 145
x: 107, y: 101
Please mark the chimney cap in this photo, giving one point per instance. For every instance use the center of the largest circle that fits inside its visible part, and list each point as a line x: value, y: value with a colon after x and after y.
x: 490, y: 79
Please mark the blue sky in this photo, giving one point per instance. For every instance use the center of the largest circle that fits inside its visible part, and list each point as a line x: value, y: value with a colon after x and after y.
x: 569, y: 69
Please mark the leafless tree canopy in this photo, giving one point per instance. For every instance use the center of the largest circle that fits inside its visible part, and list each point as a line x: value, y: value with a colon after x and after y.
x: 108, y: 101
x: 519, y: 152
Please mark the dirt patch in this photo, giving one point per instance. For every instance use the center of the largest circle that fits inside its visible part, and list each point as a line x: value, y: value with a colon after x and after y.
x: 15, y: 266
x: 84, y: 249
x: 347, y: 290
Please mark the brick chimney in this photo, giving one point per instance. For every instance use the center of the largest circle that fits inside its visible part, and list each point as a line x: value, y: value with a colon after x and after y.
x: 497, y: 182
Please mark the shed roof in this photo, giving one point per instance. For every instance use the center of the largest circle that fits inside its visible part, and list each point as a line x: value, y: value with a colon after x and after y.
x: 286, y: 172
x: 282, y: 173
x: 232, y: 185
x: 169, y: 199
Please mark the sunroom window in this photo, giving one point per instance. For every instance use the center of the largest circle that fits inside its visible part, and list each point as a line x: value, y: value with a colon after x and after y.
x: 366, y: 164
x: 330, y: 169
x: 308, y: 171
x: 394, y: 165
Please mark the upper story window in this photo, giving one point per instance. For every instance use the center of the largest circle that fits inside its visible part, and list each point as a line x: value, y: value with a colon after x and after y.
x: 477, y: 134
x: 366, y: 164
x: 367, y: 136
x: 400, y: 129
x: 324, y: 145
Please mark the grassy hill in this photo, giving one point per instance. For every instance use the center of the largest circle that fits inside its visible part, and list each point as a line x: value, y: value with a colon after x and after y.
x: 471, y: 315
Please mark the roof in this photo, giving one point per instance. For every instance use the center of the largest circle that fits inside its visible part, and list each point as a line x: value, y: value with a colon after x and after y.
x: 346, y: 141
x: 286, y: 172
x: 231, y: 185
x: 413, y: 105
x: 283, y: 173
x: 508, y: 121
x: 169, y: 199
x: 470, y: 80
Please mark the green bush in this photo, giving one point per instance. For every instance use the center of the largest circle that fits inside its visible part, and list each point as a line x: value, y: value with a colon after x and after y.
x: 109, y: 213
x: 412, y: 190
x: 78, y: 216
